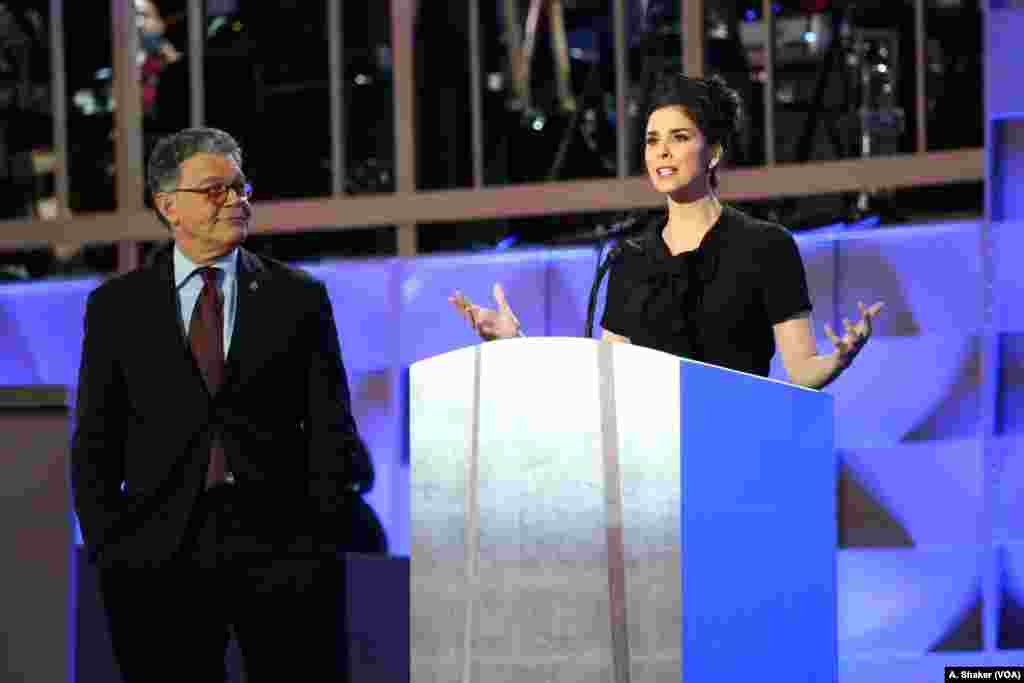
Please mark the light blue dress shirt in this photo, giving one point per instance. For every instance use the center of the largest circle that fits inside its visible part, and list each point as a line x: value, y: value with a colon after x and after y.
x: 189, y: 284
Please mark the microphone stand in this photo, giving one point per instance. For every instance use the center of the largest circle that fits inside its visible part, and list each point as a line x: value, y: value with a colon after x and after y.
x: 602, y: 269
x: 618, y: 231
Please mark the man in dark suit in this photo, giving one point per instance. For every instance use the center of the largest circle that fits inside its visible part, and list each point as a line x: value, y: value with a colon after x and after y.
x: 215, y: 456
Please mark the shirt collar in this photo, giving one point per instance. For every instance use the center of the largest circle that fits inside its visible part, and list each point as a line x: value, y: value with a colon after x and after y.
x: 711, y: 242
x: 184, y: 267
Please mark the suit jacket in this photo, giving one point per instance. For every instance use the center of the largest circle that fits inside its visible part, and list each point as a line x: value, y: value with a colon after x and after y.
x: 144, y: 416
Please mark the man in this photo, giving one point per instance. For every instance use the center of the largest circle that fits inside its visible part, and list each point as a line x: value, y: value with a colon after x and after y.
x: 215, y: 455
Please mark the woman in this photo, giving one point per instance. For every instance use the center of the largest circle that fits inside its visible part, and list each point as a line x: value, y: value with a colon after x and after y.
x: 706, y: 281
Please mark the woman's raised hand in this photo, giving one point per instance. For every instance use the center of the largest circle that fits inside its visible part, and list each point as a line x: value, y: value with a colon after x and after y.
x: 488, y: 323
x: 855, y: 336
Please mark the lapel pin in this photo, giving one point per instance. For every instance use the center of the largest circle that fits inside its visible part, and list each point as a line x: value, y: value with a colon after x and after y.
x: 253, y: 286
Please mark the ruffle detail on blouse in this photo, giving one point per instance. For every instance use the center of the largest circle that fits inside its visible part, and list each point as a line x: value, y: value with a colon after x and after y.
x: 675, y: 284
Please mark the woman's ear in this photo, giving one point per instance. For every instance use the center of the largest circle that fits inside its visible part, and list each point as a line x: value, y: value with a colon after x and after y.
x: 716, y: 156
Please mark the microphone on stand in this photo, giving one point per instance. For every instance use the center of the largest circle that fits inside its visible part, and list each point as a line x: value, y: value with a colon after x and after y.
x: 603, y: 231
x: 617, y: 230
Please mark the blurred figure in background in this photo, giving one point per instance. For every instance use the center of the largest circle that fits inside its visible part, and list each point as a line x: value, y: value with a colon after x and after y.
x: 155, y: 51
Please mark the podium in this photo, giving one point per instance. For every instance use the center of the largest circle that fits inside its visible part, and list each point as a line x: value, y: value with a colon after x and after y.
x: 36, y: 536
x: 588, y: 511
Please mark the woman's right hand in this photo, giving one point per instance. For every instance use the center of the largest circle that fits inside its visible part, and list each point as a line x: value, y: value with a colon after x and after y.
x: 488, y: 323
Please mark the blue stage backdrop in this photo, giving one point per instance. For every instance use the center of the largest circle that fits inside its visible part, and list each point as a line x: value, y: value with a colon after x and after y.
x: 931, y: 521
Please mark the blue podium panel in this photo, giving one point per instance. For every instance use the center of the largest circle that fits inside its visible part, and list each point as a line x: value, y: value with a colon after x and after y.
x: 758, y: 528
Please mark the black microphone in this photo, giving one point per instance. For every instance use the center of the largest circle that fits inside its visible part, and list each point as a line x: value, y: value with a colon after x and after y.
x: 619, y: 230
x: 603, y: 231
x: 602, y: 269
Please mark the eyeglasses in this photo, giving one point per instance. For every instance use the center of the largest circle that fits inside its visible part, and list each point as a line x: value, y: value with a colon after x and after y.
x: 218, y: 193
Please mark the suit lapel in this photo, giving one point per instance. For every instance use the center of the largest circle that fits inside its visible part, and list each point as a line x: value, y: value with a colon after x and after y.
x: 168, y: 319
x: 251, y: 284
x: 163, y: 269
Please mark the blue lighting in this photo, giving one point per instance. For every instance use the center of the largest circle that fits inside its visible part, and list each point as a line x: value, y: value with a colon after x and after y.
x: 506, y: 242
x: 750, y: 15
x: 866, y: 222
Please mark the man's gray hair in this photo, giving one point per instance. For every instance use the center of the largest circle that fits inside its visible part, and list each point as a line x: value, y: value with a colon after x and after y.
x: 164, y: 168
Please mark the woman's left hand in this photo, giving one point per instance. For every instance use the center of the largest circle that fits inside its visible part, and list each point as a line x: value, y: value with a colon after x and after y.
x: 855, y: 336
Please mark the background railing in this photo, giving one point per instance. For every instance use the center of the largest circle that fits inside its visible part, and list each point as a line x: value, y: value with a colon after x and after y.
x: 860, y: 167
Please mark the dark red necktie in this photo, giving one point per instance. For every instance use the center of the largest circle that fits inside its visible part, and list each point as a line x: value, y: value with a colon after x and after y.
x: 206, y: 337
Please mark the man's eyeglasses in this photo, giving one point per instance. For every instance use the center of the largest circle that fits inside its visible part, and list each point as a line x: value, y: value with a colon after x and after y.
x: 218, y: 193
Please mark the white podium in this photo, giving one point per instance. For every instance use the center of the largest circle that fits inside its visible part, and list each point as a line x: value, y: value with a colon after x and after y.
x: 586, y: 511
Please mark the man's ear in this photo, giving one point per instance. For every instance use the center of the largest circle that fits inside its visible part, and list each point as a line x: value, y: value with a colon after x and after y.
x: 164, y: 203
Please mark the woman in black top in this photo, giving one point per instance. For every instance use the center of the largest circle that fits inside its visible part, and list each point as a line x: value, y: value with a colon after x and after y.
x: 706, y: 282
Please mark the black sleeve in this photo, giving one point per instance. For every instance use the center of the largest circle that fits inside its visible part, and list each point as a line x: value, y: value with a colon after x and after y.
x: 97, y: 445
x: 784, y: 285
x: 615, y: 318
x: 339, y: 461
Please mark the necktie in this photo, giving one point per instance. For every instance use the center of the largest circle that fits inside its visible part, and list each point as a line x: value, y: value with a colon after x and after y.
x: 206, y: 337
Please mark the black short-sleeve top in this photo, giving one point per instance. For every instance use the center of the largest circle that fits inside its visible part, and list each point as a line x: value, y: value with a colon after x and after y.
x: 715, y: 304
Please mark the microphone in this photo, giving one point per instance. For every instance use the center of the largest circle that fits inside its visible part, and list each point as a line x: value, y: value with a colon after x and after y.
x: 620, y: 229
x: 603, y: 231
x: 613, y: 253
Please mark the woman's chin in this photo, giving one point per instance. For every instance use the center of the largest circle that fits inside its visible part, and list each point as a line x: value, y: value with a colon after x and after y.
x: 687, y: 193
x: 675, y: 184
x: 666, y: 185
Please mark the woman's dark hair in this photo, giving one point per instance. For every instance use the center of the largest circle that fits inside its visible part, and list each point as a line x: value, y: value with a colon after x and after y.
x: 716, y: 108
